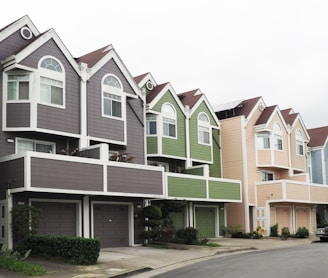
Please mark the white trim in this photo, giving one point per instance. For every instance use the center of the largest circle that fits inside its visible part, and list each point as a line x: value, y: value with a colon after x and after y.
x: 86, y: 216
x: 53, y: 144
x: 78, y: 212
x: 9, y: 229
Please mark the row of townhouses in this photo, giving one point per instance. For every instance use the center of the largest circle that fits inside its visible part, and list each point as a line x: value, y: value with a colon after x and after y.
x: 91, y: 146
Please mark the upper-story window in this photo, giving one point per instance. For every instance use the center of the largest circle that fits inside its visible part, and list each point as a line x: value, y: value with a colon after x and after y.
x: 18, y: 87
x: 267, y: 176
x: 299, y: 143
x: 112, y: 97
x: 204, y: 129
x: 169, y: 120
x: 263, y: 140
x: 23, y: 145
x: 277, y: 137
x: 52, y: 81
x: 151, y: 125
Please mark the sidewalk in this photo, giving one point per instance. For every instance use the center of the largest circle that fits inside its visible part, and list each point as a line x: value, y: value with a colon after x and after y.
x: 144, y: 262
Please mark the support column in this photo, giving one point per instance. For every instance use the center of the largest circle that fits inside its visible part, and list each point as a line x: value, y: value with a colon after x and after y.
x: 86, y: 217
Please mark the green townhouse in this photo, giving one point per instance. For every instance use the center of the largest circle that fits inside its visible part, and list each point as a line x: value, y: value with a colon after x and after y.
x: 183, y: 136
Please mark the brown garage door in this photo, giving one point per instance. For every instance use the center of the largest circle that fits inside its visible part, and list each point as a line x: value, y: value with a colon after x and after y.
x: 57, y: 218
x: 111, y: 225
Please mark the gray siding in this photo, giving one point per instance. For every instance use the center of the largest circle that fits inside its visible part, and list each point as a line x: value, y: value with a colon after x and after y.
x: 99, y: 126
x: 18, y: 115
x: 12, y: 174
x: 68, y: 119
x: 134, y: 181
x: 135, y: 130
x: 66, y: 175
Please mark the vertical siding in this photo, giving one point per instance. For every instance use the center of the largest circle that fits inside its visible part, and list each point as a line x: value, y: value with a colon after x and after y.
x: 64, y: 120
x: 18, y: 115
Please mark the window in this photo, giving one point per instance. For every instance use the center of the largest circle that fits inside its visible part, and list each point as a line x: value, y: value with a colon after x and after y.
x: 299, y: 143
x: 52, y: 79
x: 112, y: 97
x: 203, y: 129
x: 151, y: 125
x: 24, y: 145
x: 267, y: 176
x: 169, y: 120
x: 277, y: 137
x: 18, y: 87
x: 263, y: 140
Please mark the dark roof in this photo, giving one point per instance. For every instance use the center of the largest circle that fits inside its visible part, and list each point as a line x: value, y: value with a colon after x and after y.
x: 243, y: 108
x: 155, y: 92
x: 289, y: 116
x: 140, y: 77
x: 265, y: 115
x: 318, y: 136
x: 190, y: 98
x: 93, y: 57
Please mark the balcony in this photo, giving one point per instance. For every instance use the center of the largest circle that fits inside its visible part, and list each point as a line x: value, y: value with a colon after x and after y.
x: 291, y: 191
x: 43, y: 172
x: 202, y: 188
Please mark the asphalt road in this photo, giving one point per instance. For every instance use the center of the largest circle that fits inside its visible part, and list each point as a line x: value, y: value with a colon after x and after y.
x: 298, y: 262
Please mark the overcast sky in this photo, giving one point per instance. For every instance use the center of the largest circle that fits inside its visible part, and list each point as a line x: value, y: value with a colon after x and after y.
x: 230, y: 49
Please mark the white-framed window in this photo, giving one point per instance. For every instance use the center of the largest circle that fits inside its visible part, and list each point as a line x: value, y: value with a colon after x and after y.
x: 267, y: 176
x: 112, y: 97
x: 299, y: 142
x: 159, y: 164
x: 277, y: 137
x: 151, y: 125
x: 23, y: 145
x: 52, y: 82
x: 263, y: 140
x: 169, y: 120
x: 204, y: 130
x: 18, y: 87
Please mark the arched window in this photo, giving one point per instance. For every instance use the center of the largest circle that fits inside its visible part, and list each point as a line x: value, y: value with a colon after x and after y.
x: 112, y: 96
x: 52, y: 82
x: 277, y: 134
x: 204, y: 130
x: 169, y: 120
x: 299, y: 142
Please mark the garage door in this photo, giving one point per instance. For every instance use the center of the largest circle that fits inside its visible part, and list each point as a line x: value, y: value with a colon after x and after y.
x: 302, y: 218
x: 205, y: 222
x: 111, y: 225
x: 282, y: 216
x: 57, y: 218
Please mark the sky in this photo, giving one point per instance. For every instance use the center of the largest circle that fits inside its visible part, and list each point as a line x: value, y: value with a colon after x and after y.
x: 229, y: 49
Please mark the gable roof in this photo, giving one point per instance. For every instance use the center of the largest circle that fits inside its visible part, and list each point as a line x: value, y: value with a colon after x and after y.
x: 190, y: 98
x: 139, y: 78
x: 289, y: 115
x: 155, y: 92
x: 266, y: 115
x: 93, y: 57
x: 318, y: 136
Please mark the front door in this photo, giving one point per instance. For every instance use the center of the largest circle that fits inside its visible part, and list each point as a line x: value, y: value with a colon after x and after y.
x: 111, y: 224
x: 205, y: 221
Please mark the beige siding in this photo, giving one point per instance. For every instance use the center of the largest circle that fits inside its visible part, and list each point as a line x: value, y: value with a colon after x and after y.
x: 263, y: 157
x: 297, y: 192
x: 267, y: 192
x: 298, y: 161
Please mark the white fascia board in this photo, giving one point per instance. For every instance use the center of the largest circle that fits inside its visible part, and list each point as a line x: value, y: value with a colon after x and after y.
x: 112, y: 54
x: 147, y: 77
x: 167, y: 87
x: 24, y: 21
x: 50, y: 34
x: 122, y: 143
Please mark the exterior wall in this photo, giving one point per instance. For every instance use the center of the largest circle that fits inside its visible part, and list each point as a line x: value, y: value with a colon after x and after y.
x: 18, y: 114
x: 52, y: 118
x: 298, y: 161
x: 215, y: 167
x: 152, y: 145
x: 173, y: 147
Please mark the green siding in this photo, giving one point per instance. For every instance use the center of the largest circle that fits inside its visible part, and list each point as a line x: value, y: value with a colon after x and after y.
x: 152, y: 145
x: 176, y: 146
x: 199, y: 151
x: 195, y: 171
x: 224, y: 190
x: 183, y: 187
x: 215, y: 168
x: 177, y: 219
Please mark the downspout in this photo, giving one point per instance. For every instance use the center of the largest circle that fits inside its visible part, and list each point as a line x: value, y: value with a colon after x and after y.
x: 83, y: 107
x: 187, y: 120
x: 289, y: 151
x: 245, y: 173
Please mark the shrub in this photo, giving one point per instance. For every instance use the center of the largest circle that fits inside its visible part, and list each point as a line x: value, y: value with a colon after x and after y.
x: 152, y: 212
x: 13, y: 260
x: 258, y: 233
x: 274, y: 230
x: 285, y: 233
x: 302, y: 232
x: 186, y: 235
x: 75, y: 250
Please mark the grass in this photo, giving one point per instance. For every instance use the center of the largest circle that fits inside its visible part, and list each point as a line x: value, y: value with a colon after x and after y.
x: 12, y: 264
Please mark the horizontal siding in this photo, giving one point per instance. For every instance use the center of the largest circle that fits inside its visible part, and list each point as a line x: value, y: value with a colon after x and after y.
x: 184, y: 187
x: 297, y: 192
x: 12, y: 171
x: 18, y: 114
x: 57, y: 174
x: 267, y: 192
x: 130, y: 180
x: 224, y: 190
x: 152, y: 145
